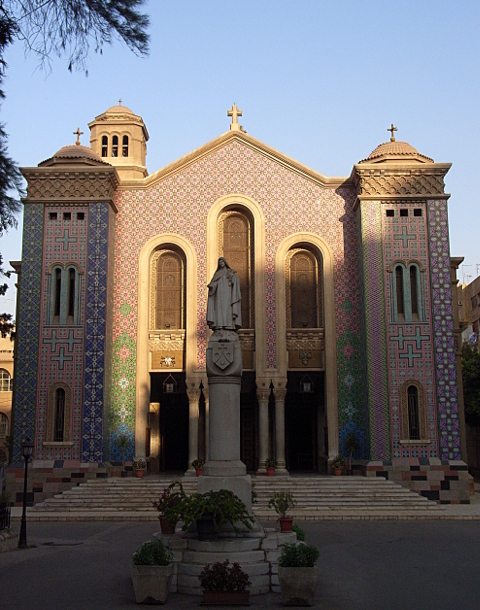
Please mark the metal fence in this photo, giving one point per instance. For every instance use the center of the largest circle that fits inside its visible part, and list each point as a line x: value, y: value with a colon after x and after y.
x: 4, y: 516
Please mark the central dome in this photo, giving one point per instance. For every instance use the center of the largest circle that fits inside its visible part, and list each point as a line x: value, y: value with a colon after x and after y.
x: 396, y: 152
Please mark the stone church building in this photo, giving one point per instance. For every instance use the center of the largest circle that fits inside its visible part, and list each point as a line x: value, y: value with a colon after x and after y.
x: 348, y: 319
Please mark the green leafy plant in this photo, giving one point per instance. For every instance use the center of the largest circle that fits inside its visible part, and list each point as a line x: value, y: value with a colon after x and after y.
x: 338, y: 462
x: 281, y: 501
x: 223, y: 577
x: 169, y: 500
x: 254, y: 494
x: 198, y: 463
x: 352, y: 445
x: 223, y: 505
x: 139, y: 464
x: 123, y: 444
x: 298, y: 556
x: 152, y: 553
x: 270, y: 462
x: 300, y: 533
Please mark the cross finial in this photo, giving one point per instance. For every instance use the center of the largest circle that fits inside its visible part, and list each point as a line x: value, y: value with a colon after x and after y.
x: 391, y: 130
x: 78, y: 133
x: 120, y: 102
x: 234, y: 113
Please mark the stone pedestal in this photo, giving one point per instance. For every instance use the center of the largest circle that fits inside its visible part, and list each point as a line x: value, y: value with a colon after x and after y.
x: 224, y: 469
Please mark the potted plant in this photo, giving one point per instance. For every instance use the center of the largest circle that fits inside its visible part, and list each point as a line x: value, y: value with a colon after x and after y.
x: 198, y: 465
x: 270, y: 464
x: 297, y: 573
x: 224, y: 584
x: 210, y: 510
x: 139, y: 467
x: 338, y: 464
x: 166, y: 505
x: 123, y: 444
x: 352, y: 445
x: 281, y: 501
x: 152, y: 573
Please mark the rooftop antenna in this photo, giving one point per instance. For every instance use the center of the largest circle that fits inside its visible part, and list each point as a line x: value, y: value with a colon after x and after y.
x: 465, y: 277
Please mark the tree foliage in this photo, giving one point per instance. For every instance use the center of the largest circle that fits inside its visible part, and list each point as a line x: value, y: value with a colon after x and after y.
x: 471, y: 382
x: 61, y: 28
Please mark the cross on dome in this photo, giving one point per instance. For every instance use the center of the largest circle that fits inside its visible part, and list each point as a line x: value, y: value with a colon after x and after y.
x: 78, y: 133
x: 391, y: 130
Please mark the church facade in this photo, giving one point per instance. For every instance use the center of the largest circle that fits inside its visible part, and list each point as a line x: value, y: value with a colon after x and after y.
x: 348, y: 321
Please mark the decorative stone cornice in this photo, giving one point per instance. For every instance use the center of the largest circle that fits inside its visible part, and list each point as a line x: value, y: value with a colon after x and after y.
x: 72, y: 185
x: 400, y: 181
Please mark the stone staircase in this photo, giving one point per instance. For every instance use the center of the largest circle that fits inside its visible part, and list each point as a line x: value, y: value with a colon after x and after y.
x: 317, y: 498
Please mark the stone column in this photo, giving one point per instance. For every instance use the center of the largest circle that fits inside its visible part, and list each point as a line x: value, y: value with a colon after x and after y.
x: 193, y: 399
x: 280, y: 394
x: 262, y: 396
x: 206, y: 395
x: 154, y: 424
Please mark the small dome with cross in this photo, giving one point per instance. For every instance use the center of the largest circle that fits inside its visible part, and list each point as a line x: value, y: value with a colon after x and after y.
x: 395, y: 152
x: 74, y: 154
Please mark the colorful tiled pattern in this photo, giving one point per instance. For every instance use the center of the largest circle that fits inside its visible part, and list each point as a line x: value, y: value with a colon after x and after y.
x: 291, y: 203
x: 28, y: 327
x: 410, y: 344
x: 62, y: 346
x: 95, y: 333
x: 376, y: 362
x: 444, y: 345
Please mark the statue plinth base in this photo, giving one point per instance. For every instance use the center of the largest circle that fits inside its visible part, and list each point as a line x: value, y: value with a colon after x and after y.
x: 224, y: 469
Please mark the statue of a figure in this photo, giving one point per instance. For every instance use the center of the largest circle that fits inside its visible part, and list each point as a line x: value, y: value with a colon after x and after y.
x: 224, y: 298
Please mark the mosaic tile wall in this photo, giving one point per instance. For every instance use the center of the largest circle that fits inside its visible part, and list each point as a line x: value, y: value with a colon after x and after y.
x: 62, y: 346
x: 28, y: 327
x: 410, y: 345
x: 179, y: 204
x: 444, y: 347
x: 95, y: 332
x: 375, y: 330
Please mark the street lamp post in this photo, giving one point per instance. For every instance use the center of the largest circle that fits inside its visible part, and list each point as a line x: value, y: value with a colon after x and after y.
x: 27, y: 451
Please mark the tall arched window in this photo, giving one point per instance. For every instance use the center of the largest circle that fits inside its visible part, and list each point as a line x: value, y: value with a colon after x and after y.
x: 3, y: 424
x: 414, y: 425
x: 104, y: 146
x: 5, y: 381
x: 399, y: 293
x: 64, y: 291
x: 115, y: 146
x: 59, y: 410
x: 59, y: 426
x: 236, y: 245
x: 304, y: 289
x: 168, y: 290
x: 413, y: 414
x: 125, y: 146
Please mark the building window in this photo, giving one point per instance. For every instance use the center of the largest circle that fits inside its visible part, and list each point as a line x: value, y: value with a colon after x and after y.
x: 168, y: 290
x: 403, y: 212
x: 125, y: 146
x: 5, y: 381
x: 59, y: 413
x: 236, y: 245
x: 3, y: 457
x: 304, y: 289
x: 52, y: 216
x: 80, y: 215
x: 64, y: 293
x: 3, y: 424
x: 407, y: 293
x: 417, y: 212
x: 390, y: 213
x: 115, y: 146
x: 104, y: 146
x: 413, y: 411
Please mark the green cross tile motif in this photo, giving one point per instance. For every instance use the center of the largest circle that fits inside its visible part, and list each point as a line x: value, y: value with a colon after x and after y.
x: 66, y: 240
x: 61, y: 358
x: 70, y: 340
x: 418, y: 338
x: 410, y: 355
x: 405, y: 237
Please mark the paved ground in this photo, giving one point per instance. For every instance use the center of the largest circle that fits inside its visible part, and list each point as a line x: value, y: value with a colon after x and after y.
x: 391, y: 565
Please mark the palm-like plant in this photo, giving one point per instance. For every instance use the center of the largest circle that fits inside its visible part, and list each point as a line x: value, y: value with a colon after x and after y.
x: 123, y: 444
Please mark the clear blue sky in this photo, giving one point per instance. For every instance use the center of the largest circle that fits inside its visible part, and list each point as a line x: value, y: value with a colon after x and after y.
x: 319, y: 81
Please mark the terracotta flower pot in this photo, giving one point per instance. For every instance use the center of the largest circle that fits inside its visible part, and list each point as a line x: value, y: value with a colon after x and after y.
x: 286, y: 524
x: 226, y: 598
x: 270, y: 471
x: 139, y: 473
x: 199, y: 472
x: 337, y: 472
